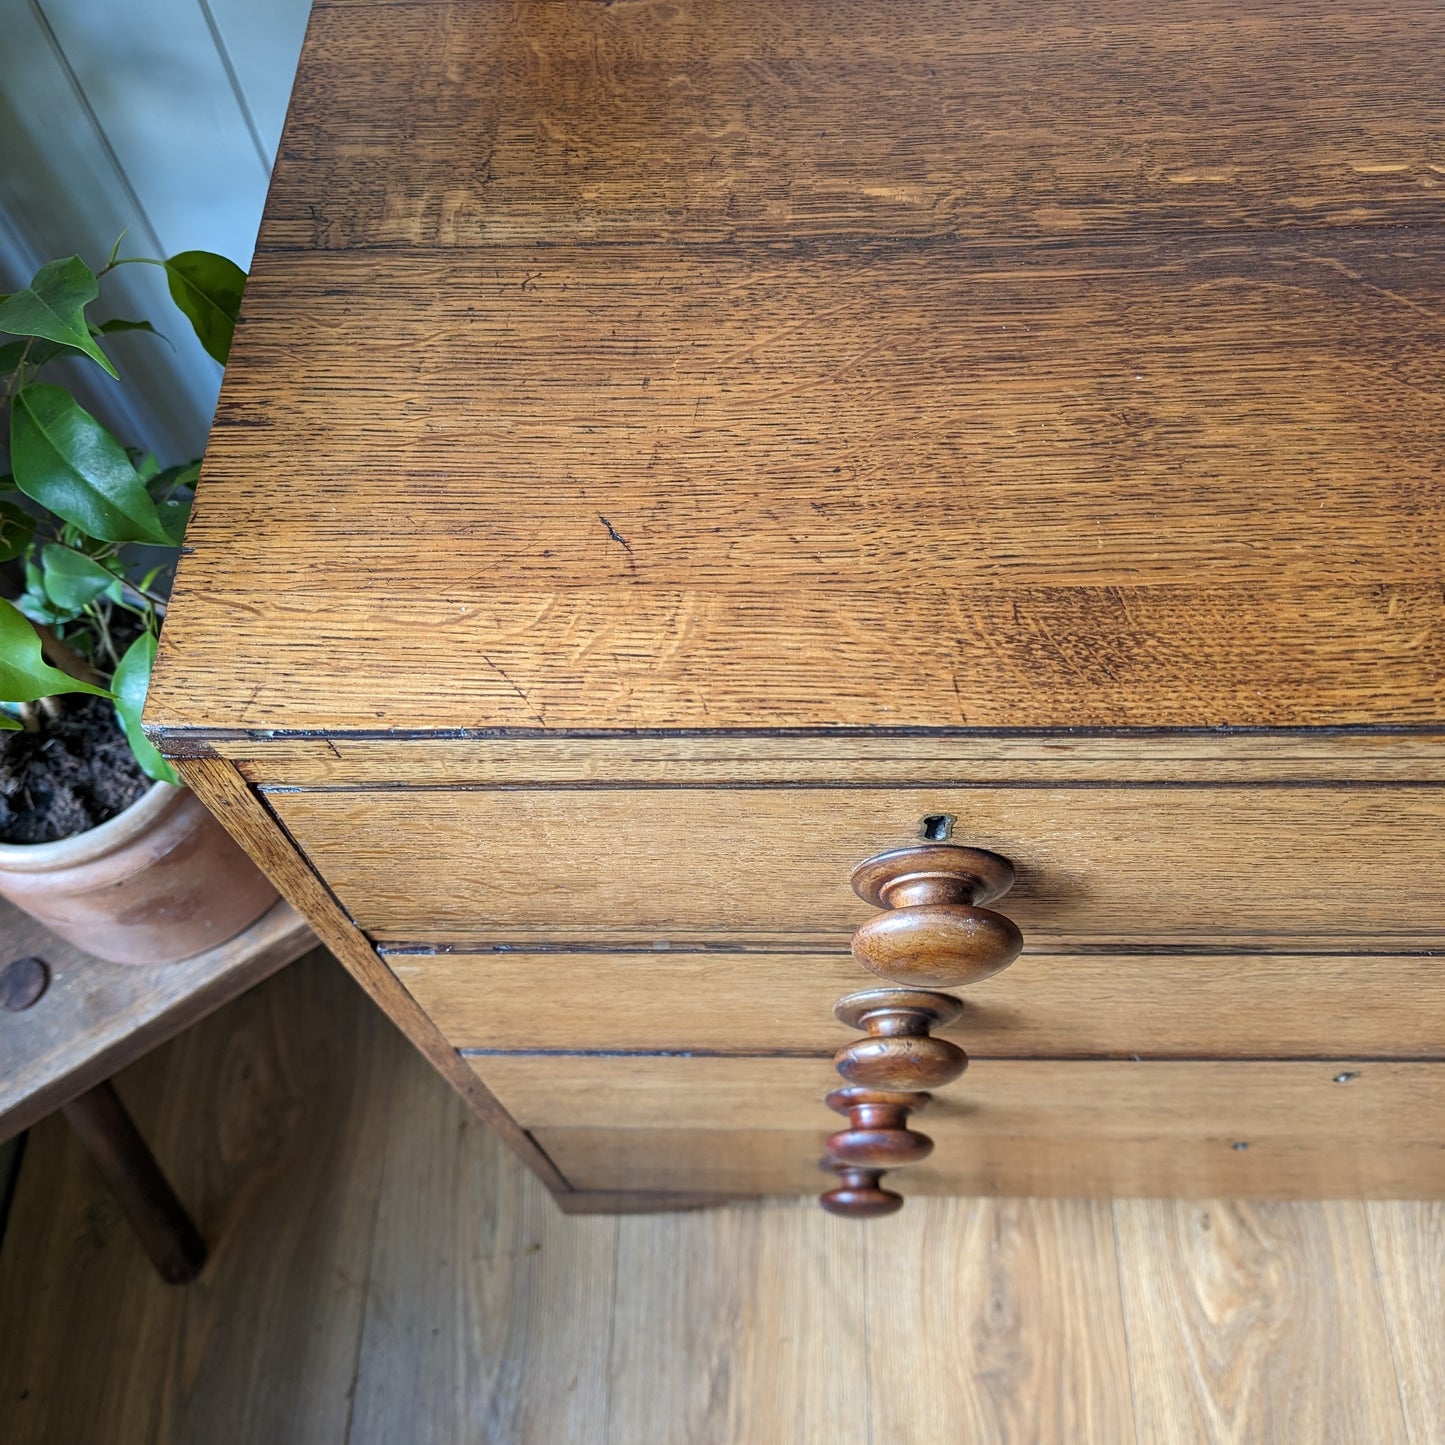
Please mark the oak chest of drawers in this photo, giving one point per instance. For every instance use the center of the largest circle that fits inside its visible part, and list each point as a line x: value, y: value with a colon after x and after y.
x: 675, y: 453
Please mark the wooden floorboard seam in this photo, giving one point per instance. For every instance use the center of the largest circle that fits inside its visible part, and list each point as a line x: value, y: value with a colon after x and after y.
x: 1390, y: 1332
x: 867, y: 1338
x: 365, y: 1298
x: 1124, y: 1315
x: 611, y: 1333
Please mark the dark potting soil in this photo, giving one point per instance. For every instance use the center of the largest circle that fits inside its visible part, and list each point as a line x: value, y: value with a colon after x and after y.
x: 75, y: 772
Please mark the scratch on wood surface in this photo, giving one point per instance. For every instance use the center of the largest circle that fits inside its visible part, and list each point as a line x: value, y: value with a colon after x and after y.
x: 615, y: 534
x: 520, y: 691
x: 1337, y: 265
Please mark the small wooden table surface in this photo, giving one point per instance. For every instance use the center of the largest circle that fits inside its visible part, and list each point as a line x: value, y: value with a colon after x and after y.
x: 94, y: 1018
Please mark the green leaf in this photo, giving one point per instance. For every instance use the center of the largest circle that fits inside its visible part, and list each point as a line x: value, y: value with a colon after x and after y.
x: 17, y: 531
x: 175, y: 512
x: 72, y: 580
x: 13, y: 353
x: 65, y: 460
x: 53, y: 306
x: 208, y: 290
x: 164, y: 483
x: 115, y: 250
x: 37, y: 607
x: 8, y: 723
x: 131, y: 682
x: 109, y: 328
x: 24, y: 673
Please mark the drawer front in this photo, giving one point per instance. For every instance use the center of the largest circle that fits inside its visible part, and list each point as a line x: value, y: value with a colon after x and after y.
x: 1151, y: 1005
x: 757, y: 1162
x: 1346, y: 1102
x: 758, y: 1126
x: 1147, y: 864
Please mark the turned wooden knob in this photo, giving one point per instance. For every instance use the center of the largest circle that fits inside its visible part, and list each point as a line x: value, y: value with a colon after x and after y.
x: 858, y: 1195
x: 899, y: 1052
x: 934, y: 933
x: 877, y: 1136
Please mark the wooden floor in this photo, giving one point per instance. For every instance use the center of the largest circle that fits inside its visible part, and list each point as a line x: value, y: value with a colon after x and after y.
x: 384, y: 1272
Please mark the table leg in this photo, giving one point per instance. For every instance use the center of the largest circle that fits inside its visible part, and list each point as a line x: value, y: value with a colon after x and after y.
x: 145, y: 1196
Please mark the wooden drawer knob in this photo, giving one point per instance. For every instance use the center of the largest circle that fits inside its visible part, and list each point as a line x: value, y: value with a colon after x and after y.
x: 934, y: 933
x: 858, y: 1195
x: 898, y: 1052
x: 876, y: 1140
x: 877, y: 1135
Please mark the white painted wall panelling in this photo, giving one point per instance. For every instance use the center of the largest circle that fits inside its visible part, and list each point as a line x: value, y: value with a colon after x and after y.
x: 158, y: 117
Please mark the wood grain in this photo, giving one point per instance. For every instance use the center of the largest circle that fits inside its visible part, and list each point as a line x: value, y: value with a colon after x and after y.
x: 241, y: 812
x: 1229, y: 1100
x: 1409, y: 1250
x: 95, y: 1018
x: 463, y: 124
x: 801, y: 1344
x: 283, y: 1116
x: 1100, y: 865
x: 663, y: 368
x: 267, y: 1128
x: 752, y: 1161
x: 470, y: 1249
x: 162, y: 1226
x: 957, y: 1292
x: 701, y: 758
x: 1256, y: 1005
x: 1176, y: 483
x: 1067, y: 443
x: 1231, y: 1337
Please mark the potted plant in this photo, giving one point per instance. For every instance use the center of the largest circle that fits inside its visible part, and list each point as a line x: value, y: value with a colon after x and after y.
x: 97, y: 838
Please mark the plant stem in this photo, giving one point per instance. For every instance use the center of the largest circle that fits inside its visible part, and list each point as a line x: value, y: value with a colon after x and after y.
x: 19, y: 369
x: 151, y: 597
x: 128, y: 261
x: 102, y: 627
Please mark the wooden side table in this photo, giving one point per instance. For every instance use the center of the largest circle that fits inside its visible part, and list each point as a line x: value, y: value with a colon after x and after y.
x: 68, y: 1022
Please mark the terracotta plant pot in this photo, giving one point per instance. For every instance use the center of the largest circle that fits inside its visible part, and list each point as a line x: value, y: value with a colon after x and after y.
x: 160, y: 882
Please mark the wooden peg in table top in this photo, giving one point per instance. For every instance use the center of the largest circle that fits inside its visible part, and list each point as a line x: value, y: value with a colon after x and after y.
x: 935, y: 933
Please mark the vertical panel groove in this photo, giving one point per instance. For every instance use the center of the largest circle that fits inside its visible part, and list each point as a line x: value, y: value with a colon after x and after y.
x: 63, y: 60
x: 243, y: 104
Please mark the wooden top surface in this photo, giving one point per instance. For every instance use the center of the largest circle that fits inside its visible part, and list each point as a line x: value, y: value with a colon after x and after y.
x: 94, y: 1018
x: 778, y: 365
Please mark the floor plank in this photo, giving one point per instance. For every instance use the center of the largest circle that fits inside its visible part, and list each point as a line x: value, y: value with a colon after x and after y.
x: 740, y: 1324
x: 489, y: 1311
x: 1254, y: 1323
x: 997, y: 1321
x: 384, y: 1271
x: 1409, y: 1241
x: 261, y: 1124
